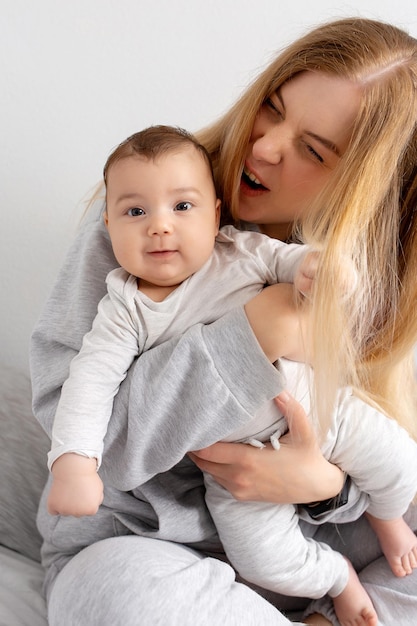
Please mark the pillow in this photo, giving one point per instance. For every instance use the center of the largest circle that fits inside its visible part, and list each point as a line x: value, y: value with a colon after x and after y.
x: 23, y: 471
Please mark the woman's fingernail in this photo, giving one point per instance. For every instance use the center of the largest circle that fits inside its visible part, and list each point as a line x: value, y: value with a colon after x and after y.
x: 284, y: 397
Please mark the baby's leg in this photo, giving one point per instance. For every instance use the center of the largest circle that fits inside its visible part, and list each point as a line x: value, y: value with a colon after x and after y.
x: 398, y: 543
x: 353, y: 606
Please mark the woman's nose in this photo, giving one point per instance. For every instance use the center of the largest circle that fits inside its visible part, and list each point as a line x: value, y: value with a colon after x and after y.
x: 270, y: 146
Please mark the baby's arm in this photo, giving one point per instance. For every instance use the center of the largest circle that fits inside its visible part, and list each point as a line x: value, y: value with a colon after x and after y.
x: 85, y: 408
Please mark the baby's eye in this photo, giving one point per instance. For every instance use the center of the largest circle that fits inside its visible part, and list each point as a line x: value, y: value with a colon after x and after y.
x: 183, y: 206
x: 135, y: 211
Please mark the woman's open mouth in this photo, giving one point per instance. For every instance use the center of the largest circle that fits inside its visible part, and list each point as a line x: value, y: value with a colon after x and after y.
x: 250, y: 179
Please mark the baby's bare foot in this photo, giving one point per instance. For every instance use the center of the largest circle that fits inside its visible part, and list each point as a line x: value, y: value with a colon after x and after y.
x: 353, y: 606
x: 398, y: 543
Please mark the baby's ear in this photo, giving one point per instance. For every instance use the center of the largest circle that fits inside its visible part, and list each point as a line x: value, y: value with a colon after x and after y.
x: 218, y: 212
x: 106, y: 219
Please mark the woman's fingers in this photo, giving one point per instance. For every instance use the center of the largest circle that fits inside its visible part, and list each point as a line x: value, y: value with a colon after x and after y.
x: 300, y: 428
x: 218, y: 453
x: 224, y: 461
x: 235, y: 466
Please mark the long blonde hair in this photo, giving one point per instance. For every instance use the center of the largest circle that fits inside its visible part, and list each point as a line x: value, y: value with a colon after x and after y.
x: 366, y: 214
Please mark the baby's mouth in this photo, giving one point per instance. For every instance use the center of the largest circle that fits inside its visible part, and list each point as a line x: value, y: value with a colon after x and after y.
x: 250, y: 179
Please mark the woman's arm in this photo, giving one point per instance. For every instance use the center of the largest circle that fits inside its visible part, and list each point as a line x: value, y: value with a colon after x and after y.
x: 279, y: 324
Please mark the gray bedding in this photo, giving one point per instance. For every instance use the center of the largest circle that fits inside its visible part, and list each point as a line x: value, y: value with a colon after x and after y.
x: 23, y: 448
x: 21, y: 599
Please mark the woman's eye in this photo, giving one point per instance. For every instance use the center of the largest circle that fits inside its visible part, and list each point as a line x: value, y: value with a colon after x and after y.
x: 183, y: 206
x: 269, y: 103
x: 314, y: 154
x: 135, y: 212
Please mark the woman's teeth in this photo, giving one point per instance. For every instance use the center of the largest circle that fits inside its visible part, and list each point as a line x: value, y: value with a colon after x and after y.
x: 252, y: 177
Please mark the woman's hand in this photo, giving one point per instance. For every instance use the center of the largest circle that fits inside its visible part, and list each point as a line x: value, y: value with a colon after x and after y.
x: 296, y: 473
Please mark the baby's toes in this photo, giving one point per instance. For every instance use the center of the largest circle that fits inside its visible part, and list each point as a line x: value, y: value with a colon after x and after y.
x: 413, y: 558
x: 408, y: 563
x: 401, y: 566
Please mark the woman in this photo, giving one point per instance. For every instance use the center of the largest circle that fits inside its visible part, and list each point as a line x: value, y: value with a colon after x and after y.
x: 326, y: 140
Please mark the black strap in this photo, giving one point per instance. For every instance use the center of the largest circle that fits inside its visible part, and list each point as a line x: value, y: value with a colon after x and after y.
x: 315, y: 509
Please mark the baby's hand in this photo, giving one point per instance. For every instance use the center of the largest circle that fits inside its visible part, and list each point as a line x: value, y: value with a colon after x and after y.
x: 345, y: 282
x: 76, y: 488
x: 306, y: 273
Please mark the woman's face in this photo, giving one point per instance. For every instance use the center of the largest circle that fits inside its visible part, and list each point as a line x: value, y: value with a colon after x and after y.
x: 298, y: 137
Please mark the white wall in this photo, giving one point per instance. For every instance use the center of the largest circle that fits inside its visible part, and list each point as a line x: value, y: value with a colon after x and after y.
x: 78, y: 76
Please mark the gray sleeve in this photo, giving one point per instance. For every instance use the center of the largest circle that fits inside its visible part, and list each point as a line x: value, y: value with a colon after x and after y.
x: 184, y: 394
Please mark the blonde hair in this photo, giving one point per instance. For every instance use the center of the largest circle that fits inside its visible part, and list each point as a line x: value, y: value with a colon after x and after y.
x: 366, y: 214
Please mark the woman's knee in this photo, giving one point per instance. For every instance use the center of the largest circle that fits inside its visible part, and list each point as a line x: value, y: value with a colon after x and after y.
x: 126, y: 581
x: 118, y: 581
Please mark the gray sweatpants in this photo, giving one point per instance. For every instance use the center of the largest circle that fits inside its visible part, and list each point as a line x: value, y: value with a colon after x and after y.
x: 137, y: 581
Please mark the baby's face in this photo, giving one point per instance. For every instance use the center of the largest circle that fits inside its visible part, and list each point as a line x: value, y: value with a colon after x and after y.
x: 162, y: 216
